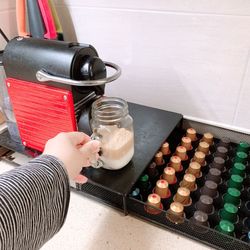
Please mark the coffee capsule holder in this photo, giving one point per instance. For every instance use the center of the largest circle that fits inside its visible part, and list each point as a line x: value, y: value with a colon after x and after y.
x: 152, y: 128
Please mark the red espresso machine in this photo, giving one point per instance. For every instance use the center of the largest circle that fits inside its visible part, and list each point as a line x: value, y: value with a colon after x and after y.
x: 51, y: 85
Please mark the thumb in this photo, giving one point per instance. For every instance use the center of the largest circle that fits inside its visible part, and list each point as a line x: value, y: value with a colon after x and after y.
x: 89, y: 152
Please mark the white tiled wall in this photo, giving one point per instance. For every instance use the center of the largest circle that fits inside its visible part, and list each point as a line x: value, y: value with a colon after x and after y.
x: 7, y: 19
x: 188, y: 56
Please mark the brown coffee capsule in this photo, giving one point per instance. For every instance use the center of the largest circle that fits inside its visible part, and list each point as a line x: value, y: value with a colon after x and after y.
x: 209, y: 188
x: 175, y: 213
x: 214, y: 174
x: 221, y: 152
x: 203, y: 147
x: 186, y: 142
x: 208, y: 138
x: 161, y: 189
x: 189, y: 182
x: 183, y: 196
x: 175, y: 162
x: 181, y: 152
x: 159, y: 158
x: 195, y: 169
x: 191, y: 133
x: 218, y: 163
x: 199, y: 157
x: 154, y: 200
x: 205, y: 204
x: 165, y: 149
x: 169, y: 175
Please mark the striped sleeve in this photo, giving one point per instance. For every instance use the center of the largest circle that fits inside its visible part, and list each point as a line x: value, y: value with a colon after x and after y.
x: 33, y: 203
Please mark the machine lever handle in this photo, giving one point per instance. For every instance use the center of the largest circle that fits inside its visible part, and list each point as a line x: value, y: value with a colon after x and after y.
x: 43, y: 76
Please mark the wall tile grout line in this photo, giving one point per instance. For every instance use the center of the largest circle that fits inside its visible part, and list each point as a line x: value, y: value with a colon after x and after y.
x: 178, y: 12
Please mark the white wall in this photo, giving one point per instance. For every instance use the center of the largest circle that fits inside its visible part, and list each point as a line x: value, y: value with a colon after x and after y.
x: 7, y: 20
x: 188, y: 56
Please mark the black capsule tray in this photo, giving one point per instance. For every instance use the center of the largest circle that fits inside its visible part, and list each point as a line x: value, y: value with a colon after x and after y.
x: 152, y: 128
x: 203, y: 234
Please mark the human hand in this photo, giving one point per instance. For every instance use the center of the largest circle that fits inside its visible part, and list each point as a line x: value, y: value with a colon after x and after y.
x: 75, y: 150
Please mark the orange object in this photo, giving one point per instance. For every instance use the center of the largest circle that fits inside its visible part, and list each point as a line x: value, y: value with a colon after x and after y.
x: 195, y: 169
x: 203, y: 147
x: 199, y: 157
x: 175, y: 162
x: 186, y: 142
x: 181, y: 152
x: 159, y: 158
x: 169, y: 175
x: 191, y: 133
x: 21, y: 18
x: 189, y: 182
x: 165, y: 148
x: 183, y: 196
x: 208, y: 138
x: 161, y: 189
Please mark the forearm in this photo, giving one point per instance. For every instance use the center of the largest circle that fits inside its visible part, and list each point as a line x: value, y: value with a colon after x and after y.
x: 33, y: 203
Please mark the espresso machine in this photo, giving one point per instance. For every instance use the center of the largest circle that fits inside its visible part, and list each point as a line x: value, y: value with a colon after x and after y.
x: 51, y: 85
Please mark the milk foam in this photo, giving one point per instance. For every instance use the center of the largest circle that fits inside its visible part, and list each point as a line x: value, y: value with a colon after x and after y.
x: 117, y: 145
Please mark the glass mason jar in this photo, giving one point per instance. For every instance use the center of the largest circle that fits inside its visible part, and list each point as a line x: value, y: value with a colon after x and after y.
x: 113, y: 127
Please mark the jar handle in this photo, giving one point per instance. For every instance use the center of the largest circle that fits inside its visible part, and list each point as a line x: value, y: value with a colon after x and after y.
x: 97, y: 163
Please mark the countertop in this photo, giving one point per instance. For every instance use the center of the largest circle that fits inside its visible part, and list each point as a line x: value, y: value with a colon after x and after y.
x: 91, y: 225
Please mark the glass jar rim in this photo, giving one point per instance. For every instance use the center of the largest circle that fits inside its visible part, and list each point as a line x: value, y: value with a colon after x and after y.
x: 109, y: 108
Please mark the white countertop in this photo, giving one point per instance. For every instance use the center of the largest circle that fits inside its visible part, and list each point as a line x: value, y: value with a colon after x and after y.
x: 91, y: 225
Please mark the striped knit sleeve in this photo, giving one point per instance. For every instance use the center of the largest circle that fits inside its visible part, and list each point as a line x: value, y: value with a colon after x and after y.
x: 33, y: 203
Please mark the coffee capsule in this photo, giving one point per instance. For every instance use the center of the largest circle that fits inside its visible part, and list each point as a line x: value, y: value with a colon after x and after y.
x: 210, y: 189
x: 208, y: 138
x: 225, y: 142
x: 159, y: 158
x: 241, y: 157
x: 175, y: 162
x: 175, y: 213
x: 195, y: 169
x: 243, y: 147
x: 153, y: 204
x: 199, y: 157
x: 136, y: 194
x: 225, y: 227
x: 161, y: 188
x: 191, y: 133
x: 187, y: 143
x: 229, y: 212
x: 221, y: 152
x: 200, y: 218
x: 205, y: 204
x: 169, y: 175
x: 152, y: 171
x: 165, y: 149
x: 218, y: 163
x: 181, y: 152
x: 236, y: 181
x: 203, y: 147
x: 238, y: 169
x: 214, y: 174
x: 232, y: 196
x: 189, y: 182
x: 183, y: 196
